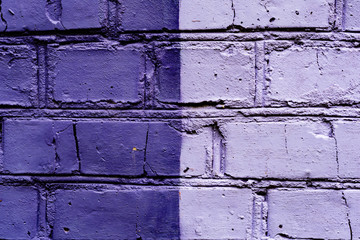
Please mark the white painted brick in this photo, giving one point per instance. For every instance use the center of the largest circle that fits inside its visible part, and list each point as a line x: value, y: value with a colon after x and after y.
x: 352, y: 200
x: 307, y: 214
x: 283, y: 13
x: 314, y: 76
x: 195, y: 151
x: 215, y: 213
x: 352, y: 15
x: 210, y: 14
x: 280, y: 150
x: 348, y: 143
x: 218, y: 72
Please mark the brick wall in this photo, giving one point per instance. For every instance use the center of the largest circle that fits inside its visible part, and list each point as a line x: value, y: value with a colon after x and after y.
x: 179, y: 119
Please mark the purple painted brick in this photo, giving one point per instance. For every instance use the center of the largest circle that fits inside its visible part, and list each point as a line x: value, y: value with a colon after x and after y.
x: 82, y: 14
x: 39, y: 146
x: 115, y: 148
x: 347, y: 134
x: 307, y: 214
x: 126, y: 153
x: 113, y: 214
x: 47, y: 15
x: 215, y: 213
x: 280, y: 150
x: 18, y: 207
x: 352, y: 202
x: 82, y: 75
x: 163, y: 150
x: 30, y: 15
x: 351, y: 15
x: 158, y: 214
x: 149, y: 14
x: 18, y: 75
x: 169, y: 75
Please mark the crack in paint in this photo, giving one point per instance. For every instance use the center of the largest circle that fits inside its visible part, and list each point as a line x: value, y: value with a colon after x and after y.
x: 55, y: 144
x: 332, y: 135
x: 77, y: 146
x: 286, y: 140
x: 347, y: 214
x: 53, y: 12
x: 234, y: 12
x: 317, y: 62
x: 145, y: 149
x: 2, y: 17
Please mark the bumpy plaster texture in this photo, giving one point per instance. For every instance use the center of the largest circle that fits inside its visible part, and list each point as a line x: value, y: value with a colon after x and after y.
x: 179, y: 119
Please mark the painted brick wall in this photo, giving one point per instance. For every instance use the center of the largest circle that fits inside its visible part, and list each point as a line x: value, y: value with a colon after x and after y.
x: 179, y: 119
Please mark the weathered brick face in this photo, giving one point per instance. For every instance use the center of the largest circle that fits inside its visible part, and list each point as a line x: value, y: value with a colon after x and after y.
x: 179, y: 119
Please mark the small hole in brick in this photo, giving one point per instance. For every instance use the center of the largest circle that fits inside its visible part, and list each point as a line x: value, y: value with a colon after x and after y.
x: 66, y: 230
x: 280, y: 226
x: 111, y: 86
x: 69, y: 203
x: 272, y: 19
x: 28, y: 233
x: 232, y: 229
x: 186, y: 169
x: 297, y: 12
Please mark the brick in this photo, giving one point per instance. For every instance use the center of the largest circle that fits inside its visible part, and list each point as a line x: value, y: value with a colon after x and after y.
x: 82, y: 14
x: 169, y: 75
x: 351, y: 15
x: 168, y: 151
x: 95, y: 75
x: 296, y: 214
x: 158, y: 214
x: 212, y: 73
x: 215, y: 213
x: 142, y: 15
x: 211, y: 14
x: 283, y: 13
x: 39, y: 146
x: 114, y: 214
x: 352, y: 201
x: 18, y: 76
x: 114, y: 148
x: 35, y: 15
x: 18, y: 206
x: 280, y: 150
x: 313, y: 76
x: 163, y: 150
x: 195, y: 151
x: 30, y: 15
x: 347, y: 136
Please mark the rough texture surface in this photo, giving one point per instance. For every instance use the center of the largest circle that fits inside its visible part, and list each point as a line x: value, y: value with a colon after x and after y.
x: 292, y: 213
x: 179, y: 119
x: 19, y: 211
x: 278, y: 150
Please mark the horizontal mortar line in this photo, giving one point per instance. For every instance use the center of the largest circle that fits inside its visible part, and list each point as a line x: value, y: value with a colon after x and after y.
x: 33, y: 178
x: 92, y: 33
x: 336, y: 112
x: 103, y: 31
